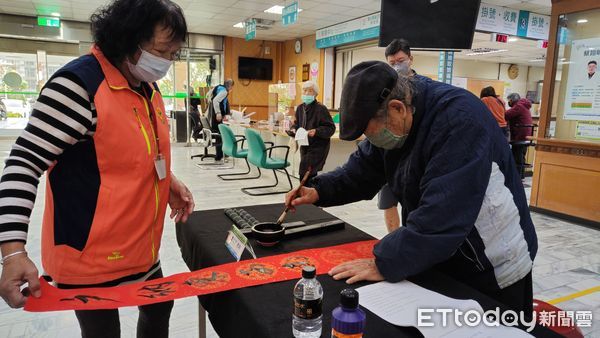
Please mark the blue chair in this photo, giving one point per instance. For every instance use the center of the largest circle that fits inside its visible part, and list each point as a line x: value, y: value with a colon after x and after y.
x: 230, y: 148
x: 260, y: 156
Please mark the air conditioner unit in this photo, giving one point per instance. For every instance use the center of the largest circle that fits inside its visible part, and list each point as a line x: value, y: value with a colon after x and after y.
x: 264, y: 24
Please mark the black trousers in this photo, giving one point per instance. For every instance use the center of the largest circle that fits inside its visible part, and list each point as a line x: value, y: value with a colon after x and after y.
x: 312, y: 157
x: 153, y: 320
x: 519, y: 152
x: 218, y: 152
x: 518, y: 296
x: 218, y: 145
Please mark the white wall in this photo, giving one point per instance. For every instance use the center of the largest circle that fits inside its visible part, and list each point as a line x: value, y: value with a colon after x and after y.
x: 535, y: 74
x: 428, y: 65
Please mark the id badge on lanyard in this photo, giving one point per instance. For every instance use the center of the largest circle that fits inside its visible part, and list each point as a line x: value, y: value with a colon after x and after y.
x: 161, y: 166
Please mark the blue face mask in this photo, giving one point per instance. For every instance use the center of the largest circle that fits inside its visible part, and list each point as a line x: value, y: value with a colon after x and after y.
x: 308, y: 99
x: 385, y: 139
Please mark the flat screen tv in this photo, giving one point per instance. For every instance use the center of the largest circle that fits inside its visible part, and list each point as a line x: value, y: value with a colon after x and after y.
x: 429, y: 24
x: 255, y: 69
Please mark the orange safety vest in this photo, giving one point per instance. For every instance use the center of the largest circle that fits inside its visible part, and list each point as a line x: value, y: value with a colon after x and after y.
x: 126, y: 223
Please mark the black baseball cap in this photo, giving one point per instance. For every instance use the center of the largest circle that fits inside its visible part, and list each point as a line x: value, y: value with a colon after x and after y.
x: 367, y: 86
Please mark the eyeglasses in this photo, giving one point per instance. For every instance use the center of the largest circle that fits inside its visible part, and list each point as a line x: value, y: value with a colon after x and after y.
x: 167, y: 55
x: 172, y: 56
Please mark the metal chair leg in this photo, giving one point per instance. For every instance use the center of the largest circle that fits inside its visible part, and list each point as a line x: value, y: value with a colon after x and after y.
x: 249, y: 190
x: 215, y: 166
x: 203, y: 156
x: 289, y: 179
x: 223, y: 176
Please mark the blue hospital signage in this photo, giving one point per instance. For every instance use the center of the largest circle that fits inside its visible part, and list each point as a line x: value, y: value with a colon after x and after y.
x: 364, y: 28
x: 504, y: 20
x: 250, y: 27
x: 289, y: 16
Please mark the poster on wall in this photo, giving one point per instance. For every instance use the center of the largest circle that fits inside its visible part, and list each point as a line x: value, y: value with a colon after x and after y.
x: 588, y: 130
x: 460, y: 82
x: 582, y: 100
x: 292, y: 74
x: 314, y: 71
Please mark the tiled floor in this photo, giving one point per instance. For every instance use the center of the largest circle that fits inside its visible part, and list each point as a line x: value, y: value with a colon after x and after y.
x: 568, y: 260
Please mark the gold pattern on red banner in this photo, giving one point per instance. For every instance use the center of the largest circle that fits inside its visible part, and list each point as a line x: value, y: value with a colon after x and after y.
x: 214, y: 279
x: 336, y: 257
x: 256, y: 271
x: 297, y: 262
x: 208, y: 280
x: 365, y: 250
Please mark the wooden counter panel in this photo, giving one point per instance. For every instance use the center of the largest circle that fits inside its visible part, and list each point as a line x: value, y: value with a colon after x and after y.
x: 567, y: 184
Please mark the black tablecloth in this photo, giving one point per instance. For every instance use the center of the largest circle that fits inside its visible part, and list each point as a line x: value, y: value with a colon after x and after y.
x: 266, y: 311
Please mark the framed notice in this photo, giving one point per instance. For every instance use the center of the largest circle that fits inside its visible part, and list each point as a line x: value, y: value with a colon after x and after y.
x: 305, y: 72
x: 582, y: 101
x: 292, y: 74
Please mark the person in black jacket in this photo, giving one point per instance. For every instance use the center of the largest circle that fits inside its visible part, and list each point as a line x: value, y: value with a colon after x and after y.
x: 464, y: 210
x: 315, y: 118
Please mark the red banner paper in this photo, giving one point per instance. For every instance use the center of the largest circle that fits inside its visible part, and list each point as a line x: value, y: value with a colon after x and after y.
x: 201, y: 282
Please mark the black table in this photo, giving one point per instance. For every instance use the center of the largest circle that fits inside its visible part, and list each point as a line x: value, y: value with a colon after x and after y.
x: 266, y: 310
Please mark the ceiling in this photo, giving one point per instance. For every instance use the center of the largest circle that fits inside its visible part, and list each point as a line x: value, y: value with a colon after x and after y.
x: 218, y: 17
x: 521, y: 51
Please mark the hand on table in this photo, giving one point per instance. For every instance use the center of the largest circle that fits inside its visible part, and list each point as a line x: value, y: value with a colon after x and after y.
x: 181, y: 200
x: 303, y: 196
x: 357, y: 270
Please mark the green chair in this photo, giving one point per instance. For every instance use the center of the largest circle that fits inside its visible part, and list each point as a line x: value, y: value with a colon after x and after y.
x: 230, y: 148
x: 260, y: 156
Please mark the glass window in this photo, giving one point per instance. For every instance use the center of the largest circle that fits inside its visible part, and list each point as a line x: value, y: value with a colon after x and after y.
x: 18, y: 88
x: 56, y: 62
x: 576, y: 102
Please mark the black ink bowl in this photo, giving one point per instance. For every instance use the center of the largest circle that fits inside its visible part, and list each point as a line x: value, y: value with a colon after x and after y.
x: 268, y: 234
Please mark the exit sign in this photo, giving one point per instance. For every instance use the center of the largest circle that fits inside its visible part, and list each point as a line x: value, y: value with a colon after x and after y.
x: 48, y: 21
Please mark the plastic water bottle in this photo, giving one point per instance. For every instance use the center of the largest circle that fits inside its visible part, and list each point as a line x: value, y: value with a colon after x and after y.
x: 348, y: 320
x: 307, y: 320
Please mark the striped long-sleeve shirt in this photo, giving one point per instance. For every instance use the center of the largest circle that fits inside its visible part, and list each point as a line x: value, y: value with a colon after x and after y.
x: 62, y: 116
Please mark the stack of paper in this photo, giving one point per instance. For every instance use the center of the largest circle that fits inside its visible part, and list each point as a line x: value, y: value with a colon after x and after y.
x: 399, y: 304
x: 302, y: 137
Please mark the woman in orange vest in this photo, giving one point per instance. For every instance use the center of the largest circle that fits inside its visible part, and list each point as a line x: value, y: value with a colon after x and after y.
x: 496, y: 106
x: 99, y: 130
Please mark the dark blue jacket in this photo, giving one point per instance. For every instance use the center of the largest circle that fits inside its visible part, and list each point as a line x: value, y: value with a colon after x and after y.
x: 464, y: 208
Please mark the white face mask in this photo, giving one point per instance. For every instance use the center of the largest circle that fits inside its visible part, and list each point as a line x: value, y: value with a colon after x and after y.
x: 149, y: 68
x: 402, y: 68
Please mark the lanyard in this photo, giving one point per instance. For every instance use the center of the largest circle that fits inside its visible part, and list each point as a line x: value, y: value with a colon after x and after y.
x: 304, y: 117
x: 153, y: 119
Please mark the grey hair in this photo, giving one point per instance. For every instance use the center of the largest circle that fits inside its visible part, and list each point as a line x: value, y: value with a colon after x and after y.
x: 229, y: 83
x: 404, y: 90
x: 514, y: 97
x: 311, y: 84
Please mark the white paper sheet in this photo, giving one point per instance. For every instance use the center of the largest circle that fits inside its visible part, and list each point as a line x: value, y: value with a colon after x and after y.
x: 398, y: 304
x: 302, y: 137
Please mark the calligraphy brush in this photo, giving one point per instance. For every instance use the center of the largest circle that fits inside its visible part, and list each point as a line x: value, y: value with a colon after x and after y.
x: 287, y: 207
